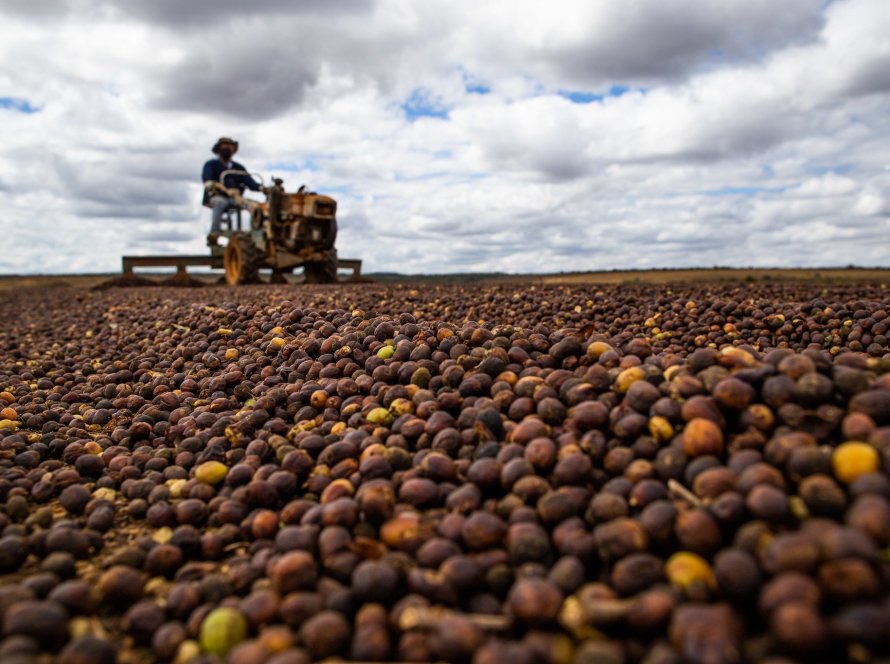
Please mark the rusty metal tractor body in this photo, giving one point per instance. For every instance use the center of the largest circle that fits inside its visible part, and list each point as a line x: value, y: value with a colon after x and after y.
x: 286, y: 231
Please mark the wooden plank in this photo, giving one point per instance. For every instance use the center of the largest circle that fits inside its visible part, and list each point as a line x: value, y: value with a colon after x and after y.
x: 353, y: 264
x: 180, y: 262
x: 153, y: 261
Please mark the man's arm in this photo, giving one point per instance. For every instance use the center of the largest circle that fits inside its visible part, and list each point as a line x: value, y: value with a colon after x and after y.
x: 252, y: 184
x: 207, y: 172
x: 245, y: 180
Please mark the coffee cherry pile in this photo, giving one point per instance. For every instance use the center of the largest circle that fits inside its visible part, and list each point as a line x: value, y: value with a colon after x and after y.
x: 511, y: 472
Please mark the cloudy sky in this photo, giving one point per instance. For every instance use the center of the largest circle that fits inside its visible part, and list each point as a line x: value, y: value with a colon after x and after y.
x: 457, y: 135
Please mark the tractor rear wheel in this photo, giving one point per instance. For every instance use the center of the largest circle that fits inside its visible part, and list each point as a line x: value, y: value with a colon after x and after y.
x: 241, y: 260
x: 323, y: 272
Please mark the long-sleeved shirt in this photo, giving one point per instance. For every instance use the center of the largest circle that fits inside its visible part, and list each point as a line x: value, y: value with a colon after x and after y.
x: 214, y: 168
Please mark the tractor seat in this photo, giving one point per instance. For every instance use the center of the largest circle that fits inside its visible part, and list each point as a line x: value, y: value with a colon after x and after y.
x: 231, y: 216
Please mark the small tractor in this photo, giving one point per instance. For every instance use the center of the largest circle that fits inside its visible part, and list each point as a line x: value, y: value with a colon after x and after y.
x: 286, y: 231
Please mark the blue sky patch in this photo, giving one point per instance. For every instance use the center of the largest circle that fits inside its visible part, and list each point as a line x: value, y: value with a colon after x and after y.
x: 18, y: 104
x: 293, y: 166
x: 421, y: 103
x: 477, y: 88
x: 838, y: 169
x: 342, y: 190
x: 577, y: 97
x: 439, y: 175
x: 584, y: 97
x: 743, y: 191
x: 472, y: 84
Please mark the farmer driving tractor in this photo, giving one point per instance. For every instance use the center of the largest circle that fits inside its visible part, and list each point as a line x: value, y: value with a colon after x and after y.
x: 284, y: 231
x: 222, y: 178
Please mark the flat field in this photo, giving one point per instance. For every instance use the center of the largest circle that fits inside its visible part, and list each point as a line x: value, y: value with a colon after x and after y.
x: 703, y: 275
x: 608, y: 467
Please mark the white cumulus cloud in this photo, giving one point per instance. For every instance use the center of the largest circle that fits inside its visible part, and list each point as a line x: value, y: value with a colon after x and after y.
x: 516, y: 136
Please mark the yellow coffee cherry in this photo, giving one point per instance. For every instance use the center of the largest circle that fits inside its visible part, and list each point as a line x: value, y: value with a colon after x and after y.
x: 853, y: 459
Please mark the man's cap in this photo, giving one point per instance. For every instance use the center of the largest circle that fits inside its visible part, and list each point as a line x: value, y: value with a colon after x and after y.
x: 222, y: 140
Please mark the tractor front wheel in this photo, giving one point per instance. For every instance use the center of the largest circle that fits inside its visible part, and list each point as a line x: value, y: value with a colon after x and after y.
x: 241, y: 260
x: 324, y: 272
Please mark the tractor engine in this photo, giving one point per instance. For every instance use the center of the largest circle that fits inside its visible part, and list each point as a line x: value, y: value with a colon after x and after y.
x: 303, y: 219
